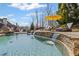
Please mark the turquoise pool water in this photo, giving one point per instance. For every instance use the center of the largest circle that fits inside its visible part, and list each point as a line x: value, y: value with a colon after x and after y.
x: 26, y: 45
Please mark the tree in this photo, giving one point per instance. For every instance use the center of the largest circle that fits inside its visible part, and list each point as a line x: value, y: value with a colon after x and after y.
x: 32, y: 26
x: 76, y: 13
x: 69, y: 12
x: 63, y: 11
x: 48, y: 11
x: 36, y: 18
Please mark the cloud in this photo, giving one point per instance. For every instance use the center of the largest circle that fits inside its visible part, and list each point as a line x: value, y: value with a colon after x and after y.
x: 10, y: 18
x: 3, y: 16
x: 24, y: 24
x: 25, y: 6
x: 7, y: 16
x: 10, y: 15
x: 20, y: 22
x: 33, y: 14
x: 30, y: 14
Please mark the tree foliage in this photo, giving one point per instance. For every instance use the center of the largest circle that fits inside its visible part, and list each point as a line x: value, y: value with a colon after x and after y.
x: 69, y: 12
x: 63, y: 11
x: 32, y: 26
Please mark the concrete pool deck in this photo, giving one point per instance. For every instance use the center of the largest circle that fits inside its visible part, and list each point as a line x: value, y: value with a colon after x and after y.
x: 70, y: 34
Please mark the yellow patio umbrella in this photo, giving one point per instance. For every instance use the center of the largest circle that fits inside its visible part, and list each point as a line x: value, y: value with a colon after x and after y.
x: 56, y: 17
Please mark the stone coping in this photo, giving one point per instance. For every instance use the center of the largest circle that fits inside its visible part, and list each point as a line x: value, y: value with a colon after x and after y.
x: 71, y: 53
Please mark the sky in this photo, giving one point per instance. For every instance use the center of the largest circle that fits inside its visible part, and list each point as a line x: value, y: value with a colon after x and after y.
x: 24, y: 13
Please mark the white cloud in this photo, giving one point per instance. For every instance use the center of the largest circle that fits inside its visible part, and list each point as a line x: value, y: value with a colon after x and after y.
x: 12, y: 20
x: 30, y: 14
x: 21, y: 23
x: 24, y: 17
x: 3, y: 16
x: 25, y: 6
x: 33, y: 14
x: 24, y: 24
x: 9, y: 18
x: 10, y: 15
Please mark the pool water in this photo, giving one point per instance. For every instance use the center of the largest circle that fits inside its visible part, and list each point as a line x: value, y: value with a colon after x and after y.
x: 26, y: 45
